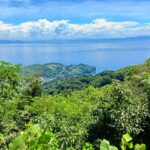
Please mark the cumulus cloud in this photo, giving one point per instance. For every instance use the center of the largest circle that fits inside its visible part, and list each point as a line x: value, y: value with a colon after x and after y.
x: 63, y: 29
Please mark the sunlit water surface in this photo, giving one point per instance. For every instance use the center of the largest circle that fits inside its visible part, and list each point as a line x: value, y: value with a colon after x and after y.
x: 102, y: 55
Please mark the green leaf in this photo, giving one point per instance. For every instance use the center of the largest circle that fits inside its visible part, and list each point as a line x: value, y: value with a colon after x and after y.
x: 18, y: 144
x: 105, y: 145
x: 140, y: 147
x: 113, y: 148
x: 130, y: 145
x: 87, y: 146
x: 2, y: 139
x: 127, y: 138
x: 34, y: 129
x: 126, y: 142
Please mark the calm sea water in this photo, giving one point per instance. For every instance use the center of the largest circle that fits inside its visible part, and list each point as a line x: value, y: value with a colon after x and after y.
x: 103, y: 55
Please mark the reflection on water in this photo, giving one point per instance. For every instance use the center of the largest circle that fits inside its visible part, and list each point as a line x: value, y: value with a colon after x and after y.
x: 112, y: 55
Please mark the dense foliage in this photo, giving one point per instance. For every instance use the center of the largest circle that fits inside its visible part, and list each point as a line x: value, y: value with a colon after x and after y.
x: 57, y: 71
x: 74, y: 113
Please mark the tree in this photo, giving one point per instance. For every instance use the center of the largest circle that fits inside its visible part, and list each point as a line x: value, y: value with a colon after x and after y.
x: 10, y: 80
x: 33, y: 86
x: 119, y: 111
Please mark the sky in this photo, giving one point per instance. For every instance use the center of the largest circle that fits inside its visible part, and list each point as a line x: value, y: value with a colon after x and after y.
x: 73, y: 19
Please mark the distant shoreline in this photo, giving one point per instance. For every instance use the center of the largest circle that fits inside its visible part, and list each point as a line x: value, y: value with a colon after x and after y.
x: 74, y: 40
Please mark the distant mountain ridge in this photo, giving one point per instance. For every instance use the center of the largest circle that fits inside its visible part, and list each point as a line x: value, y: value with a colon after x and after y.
x: 73, y: 40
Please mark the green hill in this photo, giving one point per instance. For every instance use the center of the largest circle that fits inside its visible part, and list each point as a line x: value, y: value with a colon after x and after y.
x: 57, y: 71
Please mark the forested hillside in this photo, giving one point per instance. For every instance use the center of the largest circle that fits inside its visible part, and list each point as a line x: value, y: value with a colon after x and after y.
x: 56, y: 71
x: 77, y: 112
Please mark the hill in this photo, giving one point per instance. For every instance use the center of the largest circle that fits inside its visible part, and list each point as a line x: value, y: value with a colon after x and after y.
x: 55, y: 71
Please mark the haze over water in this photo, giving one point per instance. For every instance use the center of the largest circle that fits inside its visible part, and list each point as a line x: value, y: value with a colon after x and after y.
x: 108, y: 55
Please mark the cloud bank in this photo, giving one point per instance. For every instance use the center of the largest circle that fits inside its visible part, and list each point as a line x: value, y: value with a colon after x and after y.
x: 44, y: 29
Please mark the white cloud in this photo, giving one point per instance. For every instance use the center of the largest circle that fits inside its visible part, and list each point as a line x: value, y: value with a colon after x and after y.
x: 63, y: 29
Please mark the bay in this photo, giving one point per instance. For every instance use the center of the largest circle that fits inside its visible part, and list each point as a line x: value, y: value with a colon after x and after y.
x: 106, y: 55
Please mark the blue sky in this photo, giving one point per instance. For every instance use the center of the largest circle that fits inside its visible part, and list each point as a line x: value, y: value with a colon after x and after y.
x: 75, y: 12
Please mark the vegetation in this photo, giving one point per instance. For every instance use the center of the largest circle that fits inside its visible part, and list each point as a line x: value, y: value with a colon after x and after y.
x: 55, y: 71
x: 80, y: 111
x: 81, y: 82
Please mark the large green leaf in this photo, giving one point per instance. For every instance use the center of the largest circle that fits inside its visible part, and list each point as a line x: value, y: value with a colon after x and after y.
x: 127, y: 138
x: 18, y: 144
x: 105, y: 145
